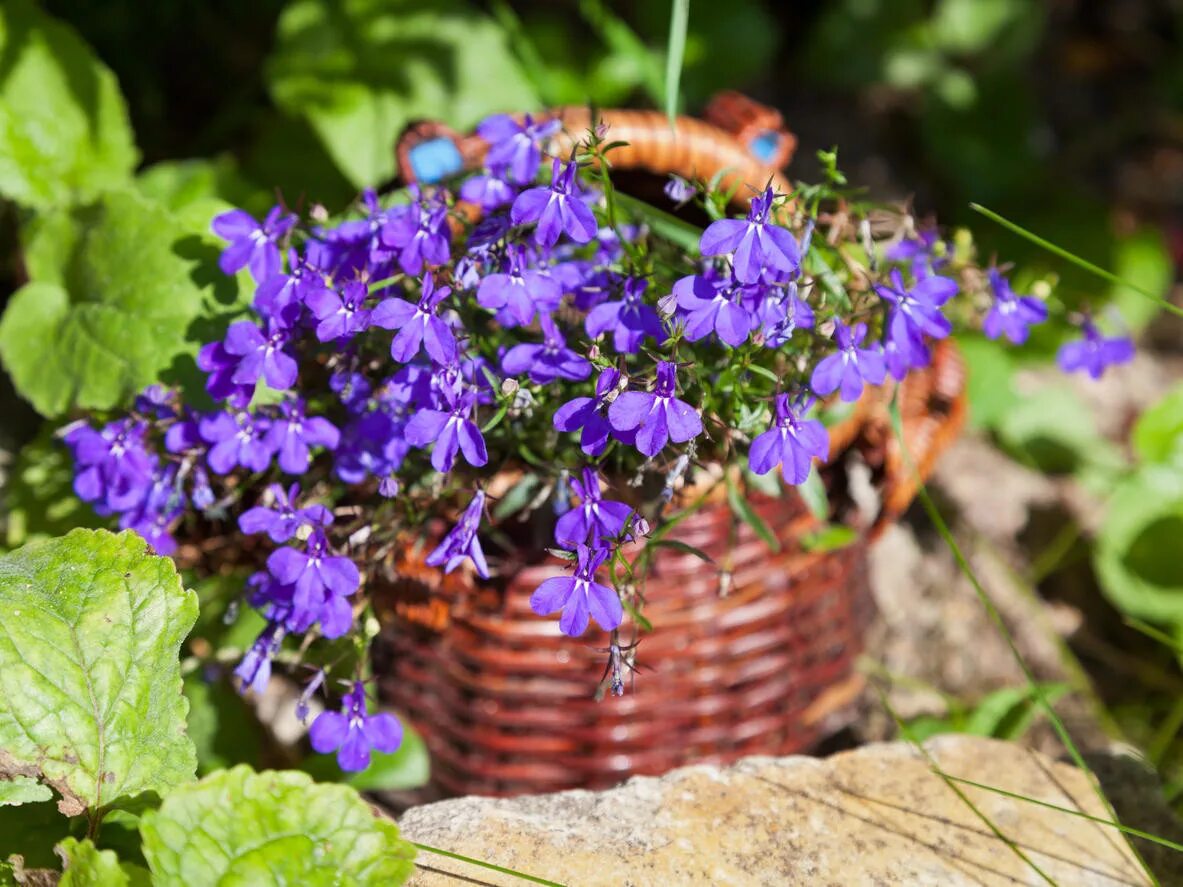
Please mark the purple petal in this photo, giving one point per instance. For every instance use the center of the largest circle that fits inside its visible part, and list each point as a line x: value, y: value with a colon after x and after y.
x: 392, y: 314
x: 234, y: 225
x: 529, y: 205
x: 425, y: 427
x: 765, y: 452
x: 551, y: 595
x: 340, y: 575
x: 630, y: 409
x: 354, y: 755
x: 827, y: 375
x: 384, y: 732
x: 605, y: 606
x: 722, y: 236
x: 472, y: 444
x: 574, y: 620
x: 683, y: 421
x: 328, y: 731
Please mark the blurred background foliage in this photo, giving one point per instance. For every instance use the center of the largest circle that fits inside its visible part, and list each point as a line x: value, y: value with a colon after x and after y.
x: 1065, y: 116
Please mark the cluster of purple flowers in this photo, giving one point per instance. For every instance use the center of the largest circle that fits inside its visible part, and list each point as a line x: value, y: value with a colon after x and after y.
x: 406, y: 354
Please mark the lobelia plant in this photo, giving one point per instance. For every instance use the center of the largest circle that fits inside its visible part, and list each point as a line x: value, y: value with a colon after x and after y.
x: 406, y: 363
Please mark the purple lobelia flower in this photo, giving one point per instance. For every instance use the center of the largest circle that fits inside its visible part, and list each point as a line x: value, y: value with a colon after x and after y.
x: 280, y: 296
x: 420, y: 232
x: 630, y: 320
x: 462, y: 542
x: 546, y: 362
x: 780, y: 311
x: 352, y: 733
x: 657, y: 416
x: 342, y: 314
x: 792, y: 442
x: 261, y: 355
x: 514, y: 146
x: 587, y: 414
x: 254, y: 671
x: 293, y: 433
x: 113, y: 470
x: 1095, y: 352
x: 556, y: 209
x: 489, y: 189
x: 449, y: 430
x: 713, y: 307
x: 321, y: 579
x: 926, y: 252
x: 220, y: 365
x: 283, y: 519
x: 520, y: 292
x: 756, y: 242
x: 916, y: 312
x: 579, y: 596
x: 679, y: 190
x: 1011, y: 315
x: 152, y: 517
x: 595, y: 521
x: 851, y: 366
x: 418, y: 325
x: 236, y: 439
x: 252, y: 244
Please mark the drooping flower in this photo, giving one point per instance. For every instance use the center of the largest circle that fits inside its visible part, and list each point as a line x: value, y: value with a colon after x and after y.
x: 520, y: 292
x: 236, y: 439
x: 1095, y: 352
x: 462, y: 542
x: 851, y: 366
x: 353, y: 734
x: 293, y: 433
x: 580, y: 596
x: 713, y: 306
x: 341, y: 314
x: 792, y: 442
x: 595, y: 520
x: 630, y: 320
x: 587, y: 415
x: 657, y: 416
x: 556, y: 209
x: 449, y: 430
x: 418, y: 325
x: 1011, y: 315
x: 261, y: 355
x: 546, y: 362
x: 254, y: 671
x: 252, y: 244
x: 756, y: 242
x: 514, y: 146
x: 283, y: 519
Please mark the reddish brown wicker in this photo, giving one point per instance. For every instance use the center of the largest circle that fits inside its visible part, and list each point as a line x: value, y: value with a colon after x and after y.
x: 506, y: 702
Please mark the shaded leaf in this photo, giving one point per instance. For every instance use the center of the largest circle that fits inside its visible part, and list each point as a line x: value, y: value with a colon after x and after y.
x: 39, y: 494
x: 90, y: 684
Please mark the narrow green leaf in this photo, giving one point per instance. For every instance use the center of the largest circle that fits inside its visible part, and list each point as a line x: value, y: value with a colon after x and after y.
x: 519, y: 496
x: 275, y: 827
x: 829, y: 538
x: 675, y: 52
x: 742, y: 509
x: 679, y: 545
x: 90, y: 682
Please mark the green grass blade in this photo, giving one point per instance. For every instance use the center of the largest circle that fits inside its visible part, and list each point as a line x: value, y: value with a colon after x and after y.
x: 1076, y: 260
x: 675, y: 52
x: 533, y: 879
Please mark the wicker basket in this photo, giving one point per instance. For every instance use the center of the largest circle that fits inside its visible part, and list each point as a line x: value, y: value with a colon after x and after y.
x: 507, y: 703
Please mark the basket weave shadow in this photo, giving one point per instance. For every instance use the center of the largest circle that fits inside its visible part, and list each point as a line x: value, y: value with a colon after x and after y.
x: 506, y: 702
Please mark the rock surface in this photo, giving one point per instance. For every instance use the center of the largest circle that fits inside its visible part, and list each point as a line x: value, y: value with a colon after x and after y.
x: 874, y: 816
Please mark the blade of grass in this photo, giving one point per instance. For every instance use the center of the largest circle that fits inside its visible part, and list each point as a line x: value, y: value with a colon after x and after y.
x: 487, y: 865
x: 942, y: 528
x: 1076, y: 260
x: 675, y: 52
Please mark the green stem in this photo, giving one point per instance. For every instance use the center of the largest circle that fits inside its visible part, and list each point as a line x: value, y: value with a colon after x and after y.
x: 487, y: 865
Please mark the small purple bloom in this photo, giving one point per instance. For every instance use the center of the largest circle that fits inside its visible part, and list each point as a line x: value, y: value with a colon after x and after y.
x: 341, y: 314
x: 1011, y: 315
x: 713, y: 307
x: 113, y: 470
x: 586, y: 414
x: 792, y: 442
x: 418, y: 325
x: 546, y: 362
x: 449, y: 430
x: 251, y: 243
x: 220, y: 366
x: 1095, y: 352
x: 282, y: 519
x: 580, y: 596
x: 630, y: 320
x: 322, y: 581
x: 556, y: 209
x: 595, y: 521
x: 254, y: 671
x: 261, y: 355
x: 519, y: 293
x: 462, y: 542
x: 421, y: 233
x: 780, y: 311
x: 489, y: 189
x: 293, y: 433
x: 757, y: 243
x: 927, y: 252
x: 851, y: 366
x: 679, y: 190
x: 236, y: 439
x: 352, y: 733
x: 916, y: 313
x: 657, y: 416
x: 516, y: 147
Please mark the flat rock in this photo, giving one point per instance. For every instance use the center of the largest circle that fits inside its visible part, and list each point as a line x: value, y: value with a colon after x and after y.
x: 874, y: 816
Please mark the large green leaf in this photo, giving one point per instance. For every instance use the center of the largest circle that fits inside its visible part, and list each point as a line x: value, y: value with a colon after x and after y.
x: 90, y: 682
x: 241, y: 827
x: 85, y: 865
x: 360, y: 70
x: 64, y: 132
x: 128, y: 304
x: 1158, y: 436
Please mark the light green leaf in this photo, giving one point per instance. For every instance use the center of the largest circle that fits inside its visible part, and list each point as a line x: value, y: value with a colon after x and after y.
x: 1052, y: 430
x: 1009, y: 712
x: 90, y: 682
x: 64, y: 131
x: 1144, y: 260
x: 831, y: 537
x: 39, y: 494
x: 129, y: 305
x: 361, y: 70
x: 85, y: 865
x: 222, y: 726
x: 1158, y: 435
x: 242, y: 827
x: 23, y: 790
x: 989, y: 384
x: 180, y: 183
